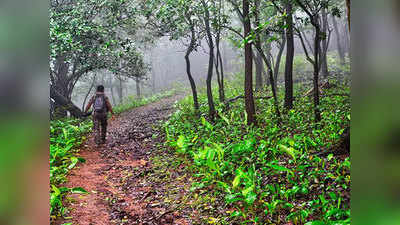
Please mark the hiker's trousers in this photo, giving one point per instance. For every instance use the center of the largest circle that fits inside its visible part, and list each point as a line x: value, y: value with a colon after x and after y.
x: 100, y: 127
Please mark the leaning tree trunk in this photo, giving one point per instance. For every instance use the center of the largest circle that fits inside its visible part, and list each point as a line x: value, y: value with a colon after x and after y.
x: 210, y: 62
x: 65, y: 103
x: 268, y: 56
x: 289, y: 57
x: 270, y: 76
x: 216, y: 63
x: 88, y: 93
x: 317, y: 113
x: 278, y: 60
x: 218, y: 60
x: 222, y: 89
x: 219, y: 69
x: 324, y: 49
x: 266, y: 61
x: 248, y: 77
x: 188, y: 70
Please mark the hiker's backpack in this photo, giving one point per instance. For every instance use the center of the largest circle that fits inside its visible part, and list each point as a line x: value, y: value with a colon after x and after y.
x: 99, y: 105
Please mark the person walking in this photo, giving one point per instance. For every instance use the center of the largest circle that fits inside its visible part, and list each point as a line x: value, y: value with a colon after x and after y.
x: 101, y: 107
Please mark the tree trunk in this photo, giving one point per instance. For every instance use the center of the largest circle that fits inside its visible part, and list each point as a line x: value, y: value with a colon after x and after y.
x: 268, y: 56
x: 219, y: 69
x: 216, y: 63
x: 339, y: 44
x: 64, y: 103
x: 60, y: 84
x: 289, y: 57
x: 259, y: 71
x: 324, y: 49
x: 348, y: 5
x: 88, y: 93
x: 153, y: 83
x: 210, y: 62
x: 271, y: 79
x: 304, y: 35
x: 248, y: 77
x: 59, y: 110
x: 317, y: 113
x: 188, y: 70
x: 120, y: 97
x: 278, y: 60
x: 112, y: 91
x: 138, y: 93
x: 222, y: 89
x: 112, y: 94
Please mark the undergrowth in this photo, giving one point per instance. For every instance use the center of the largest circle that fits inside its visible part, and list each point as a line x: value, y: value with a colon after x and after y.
x: 65, y: 137
x: 265, y: 174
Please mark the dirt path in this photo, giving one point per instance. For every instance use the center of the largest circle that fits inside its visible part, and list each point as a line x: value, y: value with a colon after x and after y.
x: 115, y: 173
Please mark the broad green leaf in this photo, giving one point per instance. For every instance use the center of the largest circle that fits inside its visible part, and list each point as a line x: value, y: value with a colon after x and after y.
x: 74, y: 161
x: 78, y: 190
x: 289, y: 150
x: 236, y: 181
x: 57, y: 191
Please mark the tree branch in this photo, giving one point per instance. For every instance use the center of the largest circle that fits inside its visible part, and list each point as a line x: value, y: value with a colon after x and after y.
x: 304, y: 46
x: 234, y: 31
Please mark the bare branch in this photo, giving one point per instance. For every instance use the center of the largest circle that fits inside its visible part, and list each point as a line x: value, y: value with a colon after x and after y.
x: 234, y: 31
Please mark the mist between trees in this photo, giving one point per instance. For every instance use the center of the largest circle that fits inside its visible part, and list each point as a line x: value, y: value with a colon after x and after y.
x: 138, y: 48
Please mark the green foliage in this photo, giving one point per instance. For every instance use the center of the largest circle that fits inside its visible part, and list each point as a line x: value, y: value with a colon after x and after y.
x: 268, y: 168
x: 97, y: 34
x: 65, y: 137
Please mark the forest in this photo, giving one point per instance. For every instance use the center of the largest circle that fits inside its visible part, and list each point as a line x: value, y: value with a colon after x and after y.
x: 224, y: 111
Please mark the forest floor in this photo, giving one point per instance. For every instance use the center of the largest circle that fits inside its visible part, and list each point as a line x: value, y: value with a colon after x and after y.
x: 125, y: 184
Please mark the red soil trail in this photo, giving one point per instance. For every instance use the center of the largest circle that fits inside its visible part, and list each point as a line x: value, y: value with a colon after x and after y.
x: 113, y: 173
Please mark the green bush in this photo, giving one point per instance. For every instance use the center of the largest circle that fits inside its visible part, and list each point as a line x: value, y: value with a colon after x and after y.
x: 269, y: 168
x: 65, y: 137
